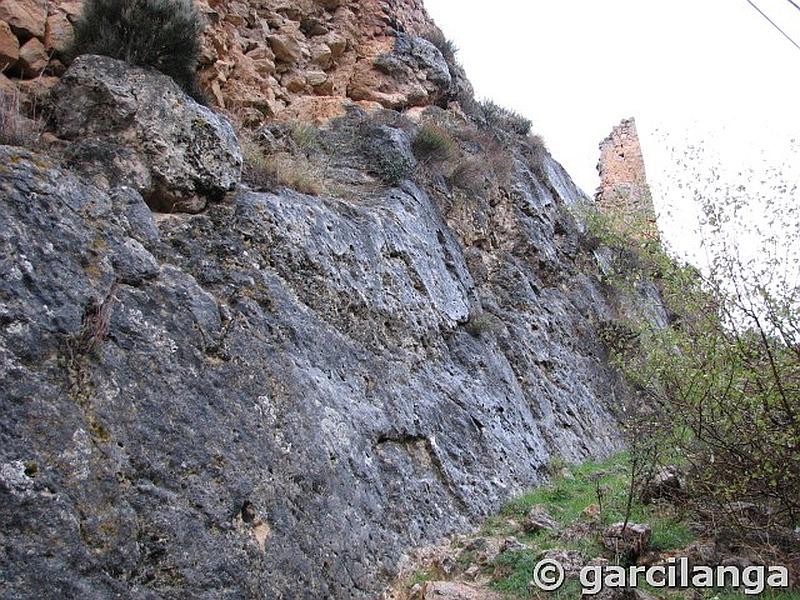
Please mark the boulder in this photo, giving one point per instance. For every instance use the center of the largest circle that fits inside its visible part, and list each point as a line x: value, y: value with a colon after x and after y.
x: 59, y: 34
x: 32, y: 58
x: 26, y: 17
x: 190, y: 153
x: 571, y: 560
x: 413, y: 73
x: 107, y: 164
x: 629, y: 540
x: 9, y: 46
x: 336, y: 43
x: 390, y: 151
x: 321, y: 54
x: 285, y: 47
x: 538, y: 520
x: 424, y: 58
x: 665, y: 484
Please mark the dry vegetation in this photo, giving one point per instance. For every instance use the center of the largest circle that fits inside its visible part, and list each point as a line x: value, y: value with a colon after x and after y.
x: 16, y: 128
x: 270, y: 172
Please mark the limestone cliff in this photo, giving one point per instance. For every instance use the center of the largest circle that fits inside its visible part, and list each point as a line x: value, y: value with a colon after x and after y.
x: 280, y: 395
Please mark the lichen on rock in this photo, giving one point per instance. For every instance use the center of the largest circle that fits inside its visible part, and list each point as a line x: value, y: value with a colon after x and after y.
x: 178, y: 154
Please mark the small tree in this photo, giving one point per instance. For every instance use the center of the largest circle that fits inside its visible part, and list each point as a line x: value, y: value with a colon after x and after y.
x: 163, y: 34
x: 720, y: 384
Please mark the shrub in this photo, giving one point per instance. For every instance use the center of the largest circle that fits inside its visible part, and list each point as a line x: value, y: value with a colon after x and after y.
x: 433, y: 143
x: 305, y: 137
x: 300, y: 175
x: 538, y: 145
x: 720, y: 382
x: 505, y: 118
x: 484, y: 322
x: 256, y: 167
x: 499, y: 159
x: 392, y: 171
x: 488, y: 154
x: 163, y: 34
x: 16, y: 129
x: 469, y: 175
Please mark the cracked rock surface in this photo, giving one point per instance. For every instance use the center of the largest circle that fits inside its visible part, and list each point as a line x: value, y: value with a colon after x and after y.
x: 146, y: 133
x: 278, y: 397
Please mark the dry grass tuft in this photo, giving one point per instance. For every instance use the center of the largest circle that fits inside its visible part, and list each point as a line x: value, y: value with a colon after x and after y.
x: 434, y: 144
x: 505, y: 118
x: 16, y: 129
x: 470, y: 175
x: 280, y: 170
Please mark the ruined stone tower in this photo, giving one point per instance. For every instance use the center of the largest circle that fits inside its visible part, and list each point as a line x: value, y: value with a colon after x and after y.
x: 623, y: 181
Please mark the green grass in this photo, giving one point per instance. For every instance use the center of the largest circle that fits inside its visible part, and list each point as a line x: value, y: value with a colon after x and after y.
x: 569, y: 494
x: 433, y: 143
x: 420, y: 577
x: 566, y: 498
x: 513, y: 574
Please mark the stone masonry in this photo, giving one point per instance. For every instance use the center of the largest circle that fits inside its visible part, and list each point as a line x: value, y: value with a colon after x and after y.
x: 306, y: 60
x: 623, y: 179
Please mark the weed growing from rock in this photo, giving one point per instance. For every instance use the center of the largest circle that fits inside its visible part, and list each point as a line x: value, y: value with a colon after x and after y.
x: 433, y: 144
x: 446, y: 46
x: 16, y: 129
x: 469, y: 175
x: 270, y: 172
x: 505, y: 118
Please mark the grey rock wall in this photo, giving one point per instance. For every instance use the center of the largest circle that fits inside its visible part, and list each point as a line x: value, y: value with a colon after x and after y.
x: 277, y: 397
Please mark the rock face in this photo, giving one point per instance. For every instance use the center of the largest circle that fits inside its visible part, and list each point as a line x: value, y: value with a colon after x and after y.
x: 9, y: 46
x: 414, y: 73
x: 304, y: 59
x: 627, y: 539
x: 278, y: 397
x: 26, y: 17
x: 173, y: 151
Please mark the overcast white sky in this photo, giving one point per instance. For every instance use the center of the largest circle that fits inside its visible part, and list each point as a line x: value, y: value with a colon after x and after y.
x: 710, y: 73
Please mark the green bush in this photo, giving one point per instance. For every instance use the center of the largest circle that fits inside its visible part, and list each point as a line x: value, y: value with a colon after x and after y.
x: 392, y: 171
x: 719, y: 383
x: 163, y: 34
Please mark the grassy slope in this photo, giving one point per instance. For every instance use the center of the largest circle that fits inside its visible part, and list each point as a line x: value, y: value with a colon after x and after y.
x: 572, y: 490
